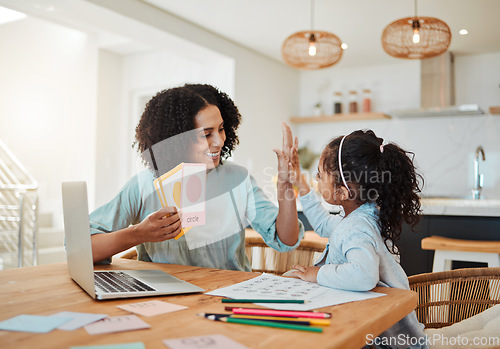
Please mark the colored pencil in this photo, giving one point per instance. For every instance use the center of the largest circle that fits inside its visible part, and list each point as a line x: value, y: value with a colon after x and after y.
x: 284, y: 320
x: 266, y: 324
x: 314, y: 322
x: 297, y: 301
x: 285, y: 313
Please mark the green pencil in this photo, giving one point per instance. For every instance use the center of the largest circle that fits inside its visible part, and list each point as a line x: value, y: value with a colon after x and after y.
x: 271, y: 324
x: 297, y: 301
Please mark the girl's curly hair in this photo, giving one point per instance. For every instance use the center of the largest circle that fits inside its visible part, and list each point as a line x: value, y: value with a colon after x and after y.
x: 385, y: 176
x: 171, y: 112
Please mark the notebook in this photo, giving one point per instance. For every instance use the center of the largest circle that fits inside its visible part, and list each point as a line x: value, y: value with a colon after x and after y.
x: 108, y: 284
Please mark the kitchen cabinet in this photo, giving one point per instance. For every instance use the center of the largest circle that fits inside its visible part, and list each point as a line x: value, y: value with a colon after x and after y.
x: 339, y: 118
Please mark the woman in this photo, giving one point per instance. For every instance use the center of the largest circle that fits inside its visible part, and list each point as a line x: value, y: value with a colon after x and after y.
x: 195, y: 123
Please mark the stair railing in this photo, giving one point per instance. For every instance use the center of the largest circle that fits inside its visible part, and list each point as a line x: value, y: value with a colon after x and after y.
x: 18, y: 212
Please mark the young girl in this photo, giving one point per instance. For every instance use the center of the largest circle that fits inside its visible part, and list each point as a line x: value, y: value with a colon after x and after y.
x: 376, y: 184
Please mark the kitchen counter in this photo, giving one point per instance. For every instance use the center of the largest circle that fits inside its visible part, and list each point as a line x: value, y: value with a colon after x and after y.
x: 445, y: 206
x: 460, y: 207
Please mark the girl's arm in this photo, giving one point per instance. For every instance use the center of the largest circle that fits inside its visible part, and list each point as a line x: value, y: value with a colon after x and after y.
x: 359, y: 273
x: 322, y: 221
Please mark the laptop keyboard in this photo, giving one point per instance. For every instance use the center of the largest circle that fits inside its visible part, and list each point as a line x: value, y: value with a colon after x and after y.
x: 115, y: 281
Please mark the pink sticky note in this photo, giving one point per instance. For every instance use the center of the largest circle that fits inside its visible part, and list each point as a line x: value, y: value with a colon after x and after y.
x: 116, y: 324
x: 151, y: 308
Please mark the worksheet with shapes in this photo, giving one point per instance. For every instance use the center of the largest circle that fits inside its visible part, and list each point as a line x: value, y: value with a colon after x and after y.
x: 269, y: 286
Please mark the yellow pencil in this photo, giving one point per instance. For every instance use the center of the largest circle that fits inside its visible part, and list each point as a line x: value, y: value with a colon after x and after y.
x: 320, y: 322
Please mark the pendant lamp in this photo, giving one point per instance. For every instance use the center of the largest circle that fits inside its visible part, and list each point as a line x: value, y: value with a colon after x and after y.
x: 312, y: 49
x: 416, y: 37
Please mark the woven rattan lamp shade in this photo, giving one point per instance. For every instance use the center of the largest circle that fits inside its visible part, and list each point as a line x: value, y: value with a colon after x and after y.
x: 435, y: 38
x: 295, y: 50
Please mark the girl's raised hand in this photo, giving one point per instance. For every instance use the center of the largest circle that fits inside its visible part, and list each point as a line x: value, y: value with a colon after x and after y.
x: 164, y: 224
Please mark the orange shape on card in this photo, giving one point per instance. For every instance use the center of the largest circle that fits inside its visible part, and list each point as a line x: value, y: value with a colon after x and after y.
x: 177, y: 193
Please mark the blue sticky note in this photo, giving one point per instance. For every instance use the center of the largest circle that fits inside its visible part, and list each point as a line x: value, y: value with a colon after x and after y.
x: 135, y: 345
x: 78, y: 319
x: 32, y: 323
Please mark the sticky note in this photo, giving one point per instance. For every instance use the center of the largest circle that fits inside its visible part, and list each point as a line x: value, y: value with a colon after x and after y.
x: 151, y: 308
x: 116, y: 324
x: 216, y: 341
x: 184, y: 187
x: 32, y: 323
x: 78, y: 319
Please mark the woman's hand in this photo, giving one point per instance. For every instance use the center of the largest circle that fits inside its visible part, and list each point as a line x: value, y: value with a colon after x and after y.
x: 288, y: 162
x: 285, y: 156
x: 306, y: 273
x: 164, y: 224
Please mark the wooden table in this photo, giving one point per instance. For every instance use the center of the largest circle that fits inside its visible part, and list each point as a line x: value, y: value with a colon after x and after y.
x: 48, y: 289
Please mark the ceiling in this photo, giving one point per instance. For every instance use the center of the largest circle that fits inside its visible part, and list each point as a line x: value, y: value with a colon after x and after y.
x: 263, y: 25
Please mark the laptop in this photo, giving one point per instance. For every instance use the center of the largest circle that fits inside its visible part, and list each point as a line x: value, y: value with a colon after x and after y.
x: 110, y: 284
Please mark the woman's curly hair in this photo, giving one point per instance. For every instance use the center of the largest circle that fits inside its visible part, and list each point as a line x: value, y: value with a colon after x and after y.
x: 385, y: 176
x: 171, y: 112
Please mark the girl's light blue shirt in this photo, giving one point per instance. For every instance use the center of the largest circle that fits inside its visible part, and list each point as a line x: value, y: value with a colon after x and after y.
x: 356, y: 258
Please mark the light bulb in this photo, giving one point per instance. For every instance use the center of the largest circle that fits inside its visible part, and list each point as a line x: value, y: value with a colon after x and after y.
x: 312, y: 48
x: 416, y: 32
x: 416, y: 36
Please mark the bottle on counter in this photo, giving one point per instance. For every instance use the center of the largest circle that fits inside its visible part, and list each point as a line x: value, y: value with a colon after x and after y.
x: 337, y: 103
x: 353, y: 102
x: 367, y: 100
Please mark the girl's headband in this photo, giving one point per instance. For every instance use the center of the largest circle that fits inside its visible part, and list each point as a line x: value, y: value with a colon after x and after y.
x: 340, y: 164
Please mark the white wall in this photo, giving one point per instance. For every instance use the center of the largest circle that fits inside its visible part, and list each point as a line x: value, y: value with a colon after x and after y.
x: 478, y: 79
x: 47, y: 107
x: 444, y: 147
x: 394, y: 86
x: 67, y: 81
x: 126, y: 84
x: 265, y: 91
x: 111, y: 128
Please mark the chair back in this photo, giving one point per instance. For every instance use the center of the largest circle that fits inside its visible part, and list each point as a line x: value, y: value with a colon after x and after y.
x: 264, y: 259
x: 447, y: 297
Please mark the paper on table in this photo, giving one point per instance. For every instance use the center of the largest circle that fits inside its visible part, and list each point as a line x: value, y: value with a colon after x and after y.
x: 32, y: 323
x: 151, y: 308
x: 217, y: 341
x: 78, y: 319
x: 135, y: 345
x: 116, y: 324
x: 269, y: 286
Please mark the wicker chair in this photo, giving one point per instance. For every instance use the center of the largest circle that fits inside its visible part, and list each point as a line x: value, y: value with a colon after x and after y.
x: 447, y: 297
x: 129, y: 254
x: 266, y: 260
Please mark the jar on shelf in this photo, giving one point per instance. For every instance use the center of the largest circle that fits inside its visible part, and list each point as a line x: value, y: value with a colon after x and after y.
x: 337, y: 103
x: 353, y: 102
x: 367, y: 100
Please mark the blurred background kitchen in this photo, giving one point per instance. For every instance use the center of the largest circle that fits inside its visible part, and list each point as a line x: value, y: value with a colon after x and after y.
x: 76, y: 74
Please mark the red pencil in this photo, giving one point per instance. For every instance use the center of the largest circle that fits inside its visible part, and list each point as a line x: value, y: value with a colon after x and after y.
x: 272, y: 312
